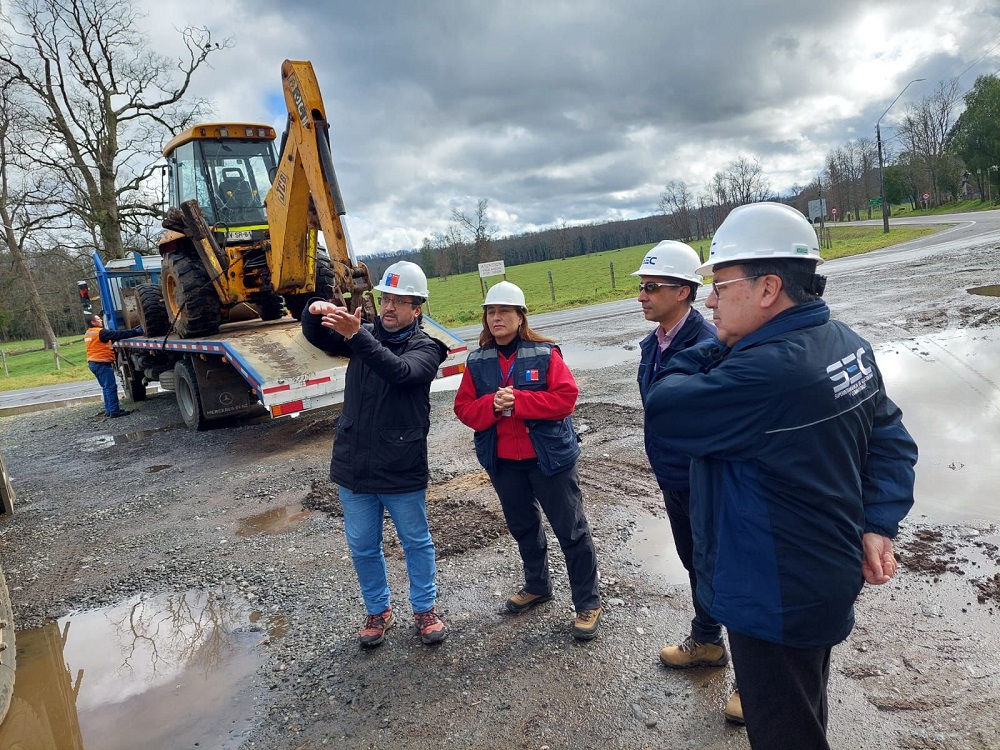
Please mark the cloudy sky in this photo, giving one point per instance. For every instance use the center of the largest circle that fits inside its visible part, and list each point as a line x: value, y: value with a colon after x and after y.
x: 580, y: 111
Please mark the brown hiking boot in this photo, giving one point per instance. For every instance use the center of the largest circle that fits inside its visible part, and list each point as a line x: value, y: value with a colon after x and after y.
x: 587, y: 623
x: 522, y: 601
x: 690, y: 653
x: 734, y: 708
x: 430, y: 625
x: 373, y: 633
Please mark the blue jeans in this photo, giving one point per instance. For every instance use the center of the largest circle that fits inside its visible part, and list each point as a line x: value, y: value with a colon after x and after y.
x: 363, y: 521
x: 105, y: 375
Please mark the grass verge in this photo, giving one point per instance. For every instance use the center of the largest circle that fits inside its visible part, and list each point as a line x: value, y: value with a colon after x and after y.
x: 456, y: 300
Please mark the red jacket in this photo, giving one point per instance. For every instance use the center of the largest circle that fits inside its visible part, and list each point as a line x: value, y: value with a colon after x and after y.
x: 555, y: 403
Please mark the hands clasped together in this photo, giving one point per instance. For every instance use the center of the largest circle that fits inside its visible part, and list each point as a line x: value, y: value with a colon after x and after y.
x: 503, y: 401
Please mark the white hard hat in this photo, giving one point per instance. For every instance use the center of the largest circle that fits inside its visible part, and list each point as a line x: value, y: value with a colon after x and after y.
x: 673, y: 259
x: 763, y: 230
x: 506, y: 293
x: 404, y: 278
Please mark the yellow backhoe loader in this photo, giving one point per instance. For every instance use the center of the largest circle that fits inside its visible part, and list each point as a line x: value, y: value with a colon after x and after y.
x: 241, y: 236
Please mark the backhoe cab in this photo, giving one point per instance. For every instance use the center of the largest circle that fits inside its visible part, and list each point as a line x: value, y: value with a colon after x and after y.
x: 242, y: 230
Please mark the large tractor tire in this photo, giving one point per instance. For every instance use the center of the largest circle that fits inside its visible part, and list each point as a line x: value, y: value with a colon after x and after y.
x: 272, y: 307
x: 192, y: 304
x: 188, y: 396
x: 325, y: 280
x: 152, y: 311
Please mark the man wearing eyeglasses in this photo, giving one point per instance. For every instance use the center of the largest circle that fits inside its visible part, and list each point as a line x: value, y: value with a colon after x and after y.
x: 801, y: 469
x: 668, y: 286
x: 380, y: 451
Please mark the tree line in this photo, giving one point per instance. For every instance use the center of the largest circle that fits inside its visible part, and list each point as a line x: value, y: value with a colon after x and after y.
x: 86, y: 101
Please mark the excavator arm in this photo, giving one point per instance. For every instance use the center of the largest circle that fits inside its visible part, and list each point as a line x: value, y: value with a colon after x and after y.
x: 305, y: 196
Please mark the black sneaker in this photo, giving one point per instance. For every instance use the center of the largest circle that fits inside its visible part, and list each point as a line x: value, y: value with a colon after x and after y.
x: 120, y: 413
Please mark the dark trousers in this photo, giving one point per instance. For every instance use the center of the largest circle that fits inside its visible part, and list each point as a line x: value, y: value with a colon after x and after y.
x: 525, y: 492
x: 704, y: 628
x: 783, y: 691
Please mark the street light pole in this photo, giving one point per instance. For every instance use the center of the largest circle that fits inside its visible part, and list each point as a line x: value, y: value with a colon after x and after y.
x: 881, y: 163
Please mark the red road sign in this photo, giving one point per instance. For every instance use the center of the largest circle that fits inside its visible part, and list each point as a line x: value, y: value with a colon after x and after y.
x: 926, y: 197
x: 833, y: 211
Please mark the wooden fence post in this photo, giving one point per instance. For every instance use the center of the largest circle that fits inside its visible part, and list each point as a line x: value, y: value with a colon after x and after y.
x: 612, y: 264
x: 552, y: 289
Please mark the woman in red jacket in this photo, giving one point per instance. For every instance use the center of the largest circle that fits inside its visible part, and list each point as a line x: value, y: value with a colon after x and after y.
x: 518, y: 395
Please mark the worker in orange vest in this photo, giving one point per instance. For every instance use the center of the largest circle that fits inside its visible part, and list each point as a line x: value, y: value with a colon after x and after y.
x: 101, y: 360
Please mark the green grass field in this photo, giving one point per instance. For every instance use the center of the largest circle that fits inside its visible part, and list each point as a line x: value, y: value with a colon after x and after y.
x: 457, y: 300
x: 585, y: 280
x: 29, y: 365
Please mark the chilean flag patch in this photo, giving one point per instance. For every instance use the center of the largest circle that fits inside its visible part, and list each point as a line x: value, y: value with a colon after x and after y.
x: 392, y: 280
x: 531, y: 376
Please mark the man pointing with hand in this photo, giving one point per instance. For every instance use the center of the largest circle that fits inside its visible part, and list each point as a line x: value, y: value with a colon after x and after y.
x: 380, y: 450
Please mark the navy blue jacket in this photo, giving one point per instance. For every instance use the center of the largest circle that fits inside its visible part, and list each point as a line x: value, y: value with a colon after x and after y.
x: 796, y: 452
x: 555, y: 441
x: 671, y: 468
x: 381, y: 441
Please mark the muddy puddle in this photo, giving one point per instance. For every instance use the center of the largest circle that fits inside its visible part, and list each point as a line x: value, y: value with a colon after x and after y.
x: 948, y: 386
x: 151, y: 672
x: 107, y: 440
x: 652, y: 547
x: 580, y: 357
x: 987, y: 291
x: 272, y: 521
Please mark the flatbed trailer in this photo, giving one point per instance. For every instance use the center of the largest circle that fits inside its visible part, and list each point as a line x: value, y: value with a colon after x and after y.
x: 246, y: 365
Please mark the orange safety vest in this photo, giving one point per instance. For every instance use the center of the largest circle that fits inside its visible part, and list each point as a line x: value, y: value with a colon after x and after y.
x: 97, y: 350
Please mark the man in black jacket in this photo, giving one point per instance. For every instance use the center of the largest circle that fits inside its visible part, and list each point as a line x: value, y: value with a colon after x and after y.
x: 380, y: 452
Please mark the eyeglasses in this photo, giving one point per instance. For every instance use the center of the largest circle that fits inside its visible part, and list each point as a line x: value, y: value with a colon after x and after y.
x: 717, y: 284
x: 651, y: 286
x: 386, y: 299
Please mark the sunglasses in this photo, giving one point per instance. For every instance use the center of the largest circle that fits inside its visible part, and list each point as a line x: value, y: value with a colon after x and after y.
x: 651, y: 286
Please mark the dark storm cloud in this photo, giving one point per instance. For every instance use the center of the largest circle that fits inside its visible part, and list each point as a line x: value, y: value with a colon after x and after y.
x: 580, y: 111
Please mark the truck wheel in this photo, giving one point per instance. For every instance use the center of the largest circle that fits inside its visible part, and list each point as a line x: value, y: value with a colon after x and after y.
x: 325, y: 279
x: 189, y: 295
x: 135, y: 386
x: 272, y: 307
x: 152, y: 311
x: 188, y: 398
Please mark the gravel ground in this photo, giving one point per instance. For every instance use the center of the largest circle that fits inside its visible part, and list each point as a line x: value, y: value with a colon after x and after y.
x: 108, y: 510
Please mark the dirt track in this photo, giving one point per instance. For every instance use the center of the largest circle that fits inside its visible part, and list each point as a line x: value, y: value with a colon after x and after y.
x: 110, y: 509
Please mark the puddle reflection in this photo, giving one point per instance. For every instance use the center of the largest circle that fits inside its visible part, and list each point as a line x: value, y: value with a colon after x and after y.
x: 175, y: 660
x: 948, y: 386
x: 105, y: 441
x: 585, y: 358
x: 272, y: 521
x: 652, y: 545
x: 987, y: 291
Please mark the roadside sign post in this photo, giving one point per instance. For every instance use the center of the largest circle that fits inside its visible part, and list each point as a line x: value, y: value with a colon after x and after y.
x: 817, y: 209
x: 493, y: 268
x: 834, y: 212
x: 927, y: 197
